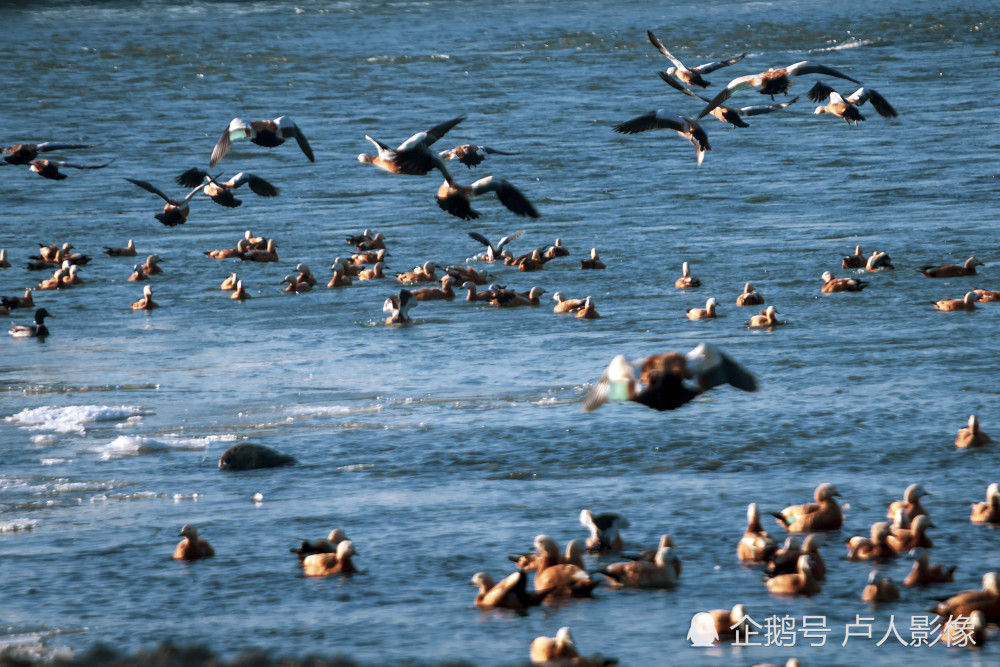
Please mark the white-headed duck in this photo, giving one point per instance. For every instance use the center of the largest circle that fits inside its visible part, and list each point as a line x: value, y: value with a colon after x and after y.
x: 50, y: 168
x: 692, y: 76
x: 322, y: 565
x: 756, y: 545
x: 766, y: 318
x: 36, y: 330
x: 269, y: 254
x: 560, y: 651
x: 222, y: 192
x: 399, y: 306
x: 968, y: 302
x: 174, y: 212
x: 192, y: 547
x: 925, y: 574
x: 971, y: 435
x: 855, y: 261
x: 557, y: 249
x: 708, y: 312
x: 564, y: 305
x: 146, y: 302
x: 127, y: 251
x: 594, y: 262
x: 138, y: 275
x: 986, y: 600
x: 831, y: 284
x: 824, y: 514
x: 241, y: 293
x: 419, y: 274
x: 989, y: 511
x: 456, y: 199
x: 589, y: 310
x: 847, y: 107
x: 750, y: 297
x: 374, y: 273
x: 413, y: 156
x: 951, y: 270
x: 267, y: 133
x: 802, y: 582
x: 604, y: 530
x: 686, y: 281
x: 879, y: 589
x: 772, y: 82
x: 663, y: 119
x: 471, y: 155
x: 493, y: 252
x: 26, y: 301
x: 910, y: 502
x: 25, y: 153
x: 446, y: 292
x: 152, y: 265
x: 229, y: 283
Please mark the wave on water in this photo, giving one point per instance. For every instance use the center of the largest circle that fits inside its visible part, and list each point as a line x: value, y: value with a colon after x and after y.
x: 17, y: 525
x: 71, y: 419
x: 133, y: 445
x: 850, y: 43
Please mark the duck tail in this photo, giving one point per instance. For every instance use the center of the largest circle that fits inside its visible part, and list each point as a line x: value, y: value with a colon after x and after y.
x: 781, y: 518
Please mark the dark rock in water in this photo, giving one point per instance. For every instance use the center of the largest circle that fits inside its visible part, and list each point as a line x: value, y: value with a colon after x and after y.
x: 246, y: 456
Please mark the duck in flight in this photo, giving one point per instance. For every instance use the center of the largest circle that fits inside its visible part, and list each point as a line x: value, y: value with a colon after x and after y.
x: 726, y: 114
x: 456, y: 199
x: 25, y: 153
x: 174, y: 212
x: 222, y: 193
x: 50, y: 168
x: 471, y: 155
x: 662, y: 119
x: 692, y: 76
x: 772, y: 82
x: 413, y: 156
x: 847, y: 107
x: 267, y: 133
x: 493, y: 252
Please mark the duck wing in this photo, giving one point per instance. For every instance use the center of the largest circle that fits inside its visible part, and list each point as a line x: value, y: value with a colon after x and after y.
x: 734, y: 86
x: 708, y: 68
x: 482, y: 239
x: 149, y: 187
x: 47, y: 146
x: 510, y: 237
x: 714, y: 368
x: 616, y: 383
x: 257, y: 184
x: 881, y: 105
x: 654, y: 40
x: 192, y: 177
x: 225, y: 142
x: 758, y: 109
x: 806, y: 67
x: 288, y: 129
x: 428, y: 137
x: 819, y: 92
x: 508, y: 195
x: 654, y: 120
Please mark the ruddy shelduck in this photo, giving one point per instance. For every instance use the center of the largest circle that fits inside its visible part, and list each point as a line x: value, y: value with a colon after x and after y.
x: 558, y: 578
x: 493, y: 252
x: 966, y: 631
x: 192, y: 547
x: 902, y: 540
x: 971, y: 435
x: 175, y: 212
x: 557, y: 249
x: 25, y: 153
x: 989, y: 511
x: 594, y: 262
x: 413, y: 156
x: 127, y: 251
x: 564, y: 305
x: 879, y: 589
x: 339, y: 277
x: 321, y: 546
x: 269, y: 254
x: 750, y: 297
x: 322, y: 565
x: 420, y: 274
x: 267, y: 133
x: 986, y: 600
x: 240, y: 294
x: 664, y: 119
x: 510, y: 593
x: 968, y: 303
x: 879, y: 261
x: 604, y: 530
x: 686, y: 281
x: 50, y: 168
x: 146, y: 302
x: 708, y: 312
x: 692, y: 76
x: 824, y: 514
x: 847, y: 107
x: 456, y: 199
x: 660, y: 573
x: 560, y: 651
x: 925, y: 574
x: 446, y: 291
x: 801, y: 582
x: 152, y: 266
x: 855, y: 261
x: 756, y: 545
x: 222, y: 192
x: 910, y: 502
x: 766, y: 318
x: 374, y: 273
x: 729, y: 621
x: 876, y: 547
x: 831, y: 284
x: 951, y: 270
x: 398, y: 305
x: 772, y: 82
x: 471, y: 155
x: 589, y: 310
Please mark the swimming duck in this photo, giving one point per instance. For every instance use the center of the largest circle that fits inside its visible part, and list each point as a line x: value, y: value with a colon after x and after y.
x: 951, y: 270
x: 492, y: 253
x: 229, y: 253
x: 340, y: 277
x: 572, y: 556
x: 824, y: 514
x: 594, y: 262
x: 756, y: 545
x: 847, y: 107
x: 661, y: 383
x: 358, y: 239
x: 467, y: 274
x: 557, y: 249
x: 879, y: 589
x: 373, y: 273
x: 532, y: 296
x: 4, y: 262
x: 369, y: 257
x: 731, y: 115
x: 152, y: 265
x: 229, y: 283
x: 965, y: 631
x: 54, y: 282
x: 968, y: 302
x: 772, y: 82
x: 557, y: 578
x: 419, y: 274
x: 471, y: 155
x: 267, y: 133
x: 855, y: 261
x: 456, y: 199
x: 137, y: 274
x: 322, y: 546
x: 348, y: 268
x: 377, y: 242
x: 36, y: 330
x: 802, y: 582
x: 749, y: 297
x: 766, y: 318
x: 240, y: 294
x: 222, y: 192
x: 984, y: 295
x: 663, y: 119
x: 535, y: 262
x: 971, y: 436
x: 146, y: 302
x: 693, y: 76
x: 986, y: 600
x: 661, y: 573
x: 127, y: 251
x: 564, y: 305
x: 434, y: 294
x: 254, y: 242
x: 989, y: 511
x: 879, y: 261
x: 708, y: 312
x: 191, y: 547
x: 910, y: 502
x: 305, y: 275
x: 174, y: 212
x: 510, y: 593
x: 413, y: 156
x: 270, y: 254
x: 292, y: 284
x: 71, y: 277
x: 810, y: 547
x: 902, y: 540
x: 686, y: 281
x: 604, y: 530
x: 924, y: 574
x: 50, y: 168
x: 399, y: 306
x: 831, y: 284
x: 26, y: 301
x: 729, y: 622
x: 560, y: 651
x: 876, y: 547
x: 589, y: 310
x: 25, y: 153
x: 505, y: 298
x: 325, y: 564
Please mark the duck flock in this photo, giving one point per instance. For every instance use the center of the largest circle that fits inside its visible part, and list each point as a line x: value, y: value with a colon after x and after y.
x: 789, y: 566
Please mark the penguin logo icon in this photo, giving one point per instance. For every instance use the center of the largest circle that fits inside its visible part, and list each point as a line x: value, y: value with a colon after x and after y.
x: 702, y: 631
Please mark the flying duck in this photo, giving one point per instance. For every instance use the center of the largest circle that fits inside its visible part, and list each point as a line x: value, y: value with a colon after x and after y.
x: 456, y: 199
x: 493, y: 252
x: 50, y: 168
x: 413, y: 156
x: 847, y: 107
x: 663, y: 119
x: 727, y: 114
x: 174, y: 212
x: 36, y: 330
x: 470, y: 155
x: 25, y: 153
x: 692, y: 76
x: 399, y: 306
x: 222, y: 193
x: 267, y: 133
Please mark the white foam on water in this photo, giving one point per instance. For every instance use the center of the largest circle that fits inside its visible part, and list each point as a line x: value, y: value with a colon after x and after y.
x: 17, y: 525
x: 134, y: 420
x: 74, y: 487
x: 47, y: 439
x: 71, y: 419
x: 133, y: 445
x: 354, y: 467
x: 53, y: 462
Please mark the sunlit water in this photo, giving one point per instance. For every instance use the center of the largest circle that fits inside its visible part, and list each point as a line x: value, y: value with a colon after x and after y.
x: 446, y: 445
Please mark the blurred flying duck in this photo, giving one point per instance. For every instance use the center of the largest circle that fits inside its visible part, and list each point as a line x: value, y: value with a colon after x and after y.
x: 831, y: 284
x: 824, y: 514
x: 456, y: 199
x: 127, y: 251
x: 192, y: 547
x: 50, y: 168
x: 399, y: 306
x: 222, y: 193
x: 470, y: 155
x: 692, y: 76
x: 968, y: 302
x: 594, y: 262
x: 267, y: 133
x: 492, y: 252
x: 708, y: 312
x: 660, y: 382
x: 727, y: 114
x: 772, y: 82
x: 174, y: 212
x: 847, y: 107
x: 749, y: 297
x: 951, y: 270
x: 413, y: 156
x: 36, y: 330
x: 604, y: 530
x: 663, y: 119
x: 970, y: 436
x: 25, y: 153
x: 325, y: 564
x: 146, y: 302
